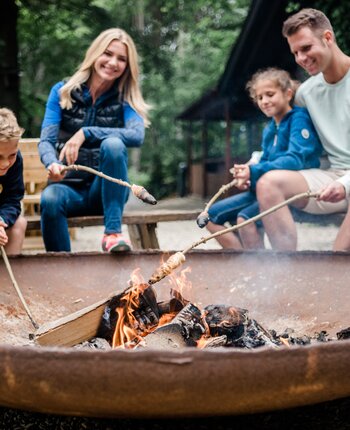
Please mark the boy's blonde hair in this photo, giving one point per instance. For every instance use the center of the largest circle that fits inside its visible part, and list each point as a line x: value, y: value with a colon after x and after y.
x: 128, y: 82
x: 9, y: 128
x: 280, y: 77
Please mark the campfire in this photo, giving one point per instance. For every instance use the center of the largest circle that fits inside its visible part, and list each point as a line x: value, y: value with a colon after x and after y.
x: 135, y: 319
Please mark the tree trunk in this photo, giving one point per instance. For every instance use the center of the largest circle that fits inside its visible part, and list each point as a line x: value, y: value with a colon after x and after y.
x: 9, y: 73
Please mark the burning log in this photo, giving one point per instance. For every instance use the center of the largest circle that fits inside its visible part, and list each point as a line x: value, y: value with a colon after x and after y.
x: 184, y: 330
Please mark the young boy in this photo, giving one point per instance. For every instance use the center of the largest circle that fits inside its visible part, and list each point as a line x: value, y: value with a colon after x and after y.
x: 12, y: 225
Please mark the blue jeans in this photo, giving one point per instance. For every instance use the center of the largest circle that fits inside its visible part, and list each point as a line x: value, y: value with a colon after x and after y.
x: 242, y: 205
x: 101, y: 197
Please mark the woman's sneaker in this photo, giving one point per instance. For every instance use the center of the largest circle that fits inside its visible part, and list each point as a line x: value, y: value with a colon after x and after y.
x: 115, y: 242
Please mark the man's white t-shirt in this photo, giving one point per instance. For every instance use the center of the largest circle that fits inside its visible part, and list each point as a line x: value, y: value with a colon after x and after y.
x: 329, y: 108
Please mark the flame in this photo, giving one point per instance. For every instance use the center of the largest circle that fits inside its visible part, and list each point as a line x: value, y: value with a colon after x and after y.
x: 203, y: 341
x: 126, y: 332
x: 180, y: 282
x: 284, y: 341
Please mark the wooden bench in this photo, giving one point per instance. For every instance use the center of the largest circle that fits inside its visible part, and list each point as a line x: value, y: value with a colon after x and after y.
x: 142, y: 225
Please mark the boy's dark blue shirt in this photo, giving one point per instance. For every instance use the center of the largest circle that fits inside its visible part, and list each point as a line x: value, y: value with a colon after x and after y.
x: 12, y: 191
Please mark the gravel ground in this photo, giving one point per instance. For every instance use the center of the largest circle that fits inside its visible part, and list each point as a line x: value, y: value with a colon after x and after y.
x: 178, y: 235
x: 333, y: 415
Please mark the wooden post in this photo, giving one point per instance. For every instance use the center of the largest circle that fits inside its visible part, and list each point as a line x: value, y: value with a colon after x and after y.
x: 228, y: 157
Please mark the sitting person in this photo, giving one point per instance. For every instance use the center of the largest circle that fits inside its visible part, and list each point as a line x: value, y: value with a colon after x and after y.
x: 12, y: 224
x: 326, y: 95
x: 91, y: 119
x: 289, y: 142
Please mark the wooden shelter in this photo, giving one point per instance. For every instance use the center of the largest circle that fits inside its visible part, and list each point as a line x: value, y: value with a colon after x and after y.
x: 260, y: 44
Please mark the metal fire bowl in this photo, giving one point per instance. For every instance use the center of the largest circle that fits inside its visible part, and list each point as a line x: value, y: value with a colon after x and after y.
x: 307, y: 291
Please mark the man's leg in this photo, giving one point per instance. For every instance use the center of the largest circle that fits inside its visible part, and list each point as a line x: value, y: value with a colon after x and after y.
x: 15, y: 236
x: 273, y: 188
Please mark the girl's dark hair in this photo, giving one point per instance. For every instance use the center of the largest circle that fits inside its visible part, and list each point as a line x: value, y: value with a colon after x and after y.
x: 280, y: 77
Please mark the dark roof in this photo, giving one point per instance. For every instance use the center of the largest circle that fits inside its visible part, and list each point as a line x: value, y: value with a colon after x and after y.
x: 260, y: 44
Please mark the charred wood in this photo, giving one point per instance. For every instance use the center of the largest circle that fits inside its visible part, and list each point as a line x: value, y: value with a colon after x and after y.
x: 184, y: 330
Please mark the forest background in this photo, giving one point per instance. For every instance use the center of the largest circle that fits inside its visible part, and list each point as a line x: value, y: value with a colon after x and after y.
x: 183, y: 47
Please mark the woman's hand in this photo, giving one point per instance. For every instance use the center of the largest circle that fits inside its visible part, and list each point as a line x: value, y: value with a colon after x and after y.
x: 54, y: 172
x: 3, y: 235
x: 71, y: 148
x: 242, y: 174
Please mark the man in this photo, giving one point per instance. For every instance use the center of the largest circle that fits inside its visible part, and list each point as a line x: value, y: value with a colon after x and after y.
x: 326, y: 94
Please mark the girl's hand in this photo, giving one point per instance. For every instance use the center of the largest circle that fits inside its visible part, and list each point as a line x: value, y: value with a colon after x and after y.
x: 71, y: 148
x: 242, y: 174
x: 54, y: 172
x: 3, y: 235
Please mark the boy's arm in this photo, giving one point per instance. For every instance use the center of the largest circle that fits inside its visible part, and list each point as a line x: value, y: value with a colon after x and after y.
x: 132, y: 135
x: 12, y: 193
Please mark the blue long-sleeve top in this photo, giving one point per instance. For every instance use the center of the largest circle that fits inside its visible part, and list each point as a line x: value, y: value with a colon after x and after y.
x: 293, y: 145
x: 12, y: 191
x: 132, y: 134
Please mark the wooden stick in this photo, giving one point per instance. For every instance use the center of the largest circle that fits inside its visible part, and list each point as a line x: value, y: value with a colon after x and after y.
x: 137, y: 190
x: 9, y: 270
x: 203, y: 217
x: 178, y: 258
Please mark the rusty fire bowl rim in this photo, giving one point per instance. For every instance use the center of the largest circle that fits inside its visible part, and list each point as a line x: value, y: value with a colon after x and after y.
x: 58, y: 380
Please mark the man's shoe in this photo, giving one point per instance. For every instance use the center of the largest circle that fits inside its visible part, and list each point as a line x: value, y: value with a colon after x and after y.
x: 115, y: 242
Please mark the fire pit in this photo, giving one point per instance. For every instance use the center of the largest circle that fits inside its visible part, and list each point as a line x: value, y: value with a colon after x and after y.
x: 304, y: 291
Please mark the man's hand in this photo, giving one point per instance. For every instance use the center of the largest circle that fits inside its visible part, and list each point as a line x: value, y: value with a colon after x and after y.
x: 71, y: 148
x: 54, y: 172
x: 333, y: 193
x: 242, y: 174
x: 3, y: 235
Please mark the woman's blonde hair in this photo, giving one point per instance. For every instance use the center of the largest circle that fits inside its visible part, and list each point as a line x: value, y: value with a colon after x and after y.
x: 9, y: 128
x: 280, y: 77
x: 129, y: 81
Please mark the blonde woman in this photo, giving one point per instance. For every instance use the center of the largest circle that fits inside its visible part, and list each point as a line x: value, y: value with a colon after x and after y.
x: 91, y: 119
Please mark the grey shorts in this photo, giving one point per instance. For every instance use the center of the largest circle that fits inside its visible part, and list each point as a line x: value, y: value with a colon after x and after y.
x: 317, y: 179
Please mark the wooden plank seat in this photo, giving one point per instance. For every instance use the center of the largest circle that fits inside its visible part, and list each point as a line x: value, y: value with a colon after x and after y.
x: 142, y: 225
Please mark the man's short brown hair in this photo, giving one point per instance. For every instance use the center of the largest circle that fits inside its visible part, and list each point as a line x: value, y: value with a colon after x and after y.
x: 9, y: 128
x: 312, y: 18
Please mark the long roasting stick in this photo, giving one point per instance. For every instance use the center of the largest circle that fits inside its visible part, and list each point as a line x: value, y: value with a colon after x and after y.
x: 203, y: 217
x: 9, y: 270
x: 178, y: 258
x: 137, y: 190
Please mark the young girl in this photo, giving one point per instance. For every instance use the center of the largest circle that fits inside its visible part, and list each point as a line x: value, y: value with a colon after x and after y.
x: 289, y: 142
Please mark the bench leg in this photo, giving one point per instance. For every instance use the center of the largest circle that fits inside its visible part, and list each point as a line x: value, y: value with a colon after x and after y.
x: 143, y: 236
